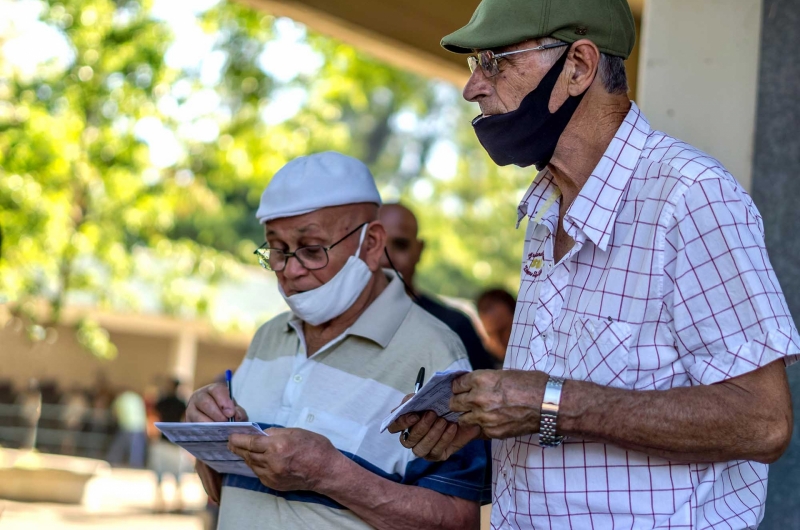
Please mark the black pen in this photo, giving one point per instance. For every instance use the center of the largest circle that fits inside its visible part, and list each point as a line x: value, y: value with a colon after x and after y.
x: 228, y: 377
x: 417, y: 386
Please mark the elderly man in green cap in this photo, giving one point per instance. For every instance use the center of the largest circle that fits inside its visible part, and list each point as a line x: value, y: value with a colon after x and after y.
x: 644, y: 384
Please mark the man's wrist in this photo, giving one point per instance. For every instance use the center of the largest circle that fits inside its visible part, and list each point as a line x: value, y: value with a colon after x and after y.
x: 572, y: 411
x: 338, y: 475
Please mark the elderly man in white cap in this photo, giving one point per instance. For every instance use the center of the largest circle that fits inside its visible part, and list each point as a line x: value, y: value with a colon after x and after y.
x: 321, y: 378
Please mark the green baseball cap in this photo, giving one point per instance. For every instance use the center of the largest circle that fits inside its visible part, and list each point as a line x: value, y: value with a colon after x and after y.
x: 495, y: 23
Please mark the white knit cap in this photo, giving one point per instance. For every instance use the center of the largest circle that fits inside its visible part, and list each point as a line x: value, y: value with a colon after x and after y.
x: 317, y: 181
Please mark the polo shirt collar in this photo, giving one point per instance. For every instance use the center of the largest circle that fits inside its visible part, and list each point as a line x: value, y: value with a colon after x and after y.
x: 596, y: 207
x: 381, y: 320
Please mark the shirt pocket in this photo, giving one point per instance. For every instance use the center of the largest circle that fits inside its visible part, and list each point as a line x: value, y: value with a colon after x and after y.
x: 345, y: 434
x: 600, y: 351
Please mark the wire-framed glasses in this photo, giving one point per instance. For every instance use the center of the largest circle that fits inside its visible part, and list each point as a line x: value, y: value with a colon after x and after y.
x: 312, y: 257
x: 487, y: 59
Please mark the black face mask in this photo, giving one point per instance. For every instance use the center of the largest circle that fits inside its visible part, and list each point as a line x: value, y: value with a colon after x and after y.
x: 528, y: 135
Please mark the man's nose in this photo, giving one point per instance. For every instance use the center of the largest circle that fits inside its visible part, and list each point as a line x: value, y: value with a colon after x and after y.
x: 478, y: 86
x: 294, y: 269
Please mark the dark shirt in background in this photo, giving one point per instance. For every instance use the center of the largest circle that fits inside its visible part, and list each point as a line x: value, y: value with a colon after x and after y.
x: 460, y: 323
x: 170, y: 408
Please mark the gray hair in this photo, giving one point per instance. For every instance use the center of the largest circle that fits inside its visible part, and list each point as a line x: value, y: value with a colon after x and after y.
x: 611, y: 68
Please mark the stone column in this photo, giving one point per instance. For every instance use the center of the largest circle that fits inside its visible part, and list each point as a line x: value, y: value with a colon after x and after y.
x: 776, y: 191
x: 184, y: 359
x: 698, y: 74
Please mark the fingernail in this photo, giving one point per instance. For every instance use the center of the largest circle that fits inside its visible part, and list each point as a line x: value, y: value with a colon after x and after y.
x: 413, y: 419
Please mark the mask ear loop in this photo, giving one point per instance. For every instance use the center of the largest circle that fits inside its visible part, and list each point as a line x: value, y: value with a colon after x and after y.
x: 409, y: 289
x: 361, y: 239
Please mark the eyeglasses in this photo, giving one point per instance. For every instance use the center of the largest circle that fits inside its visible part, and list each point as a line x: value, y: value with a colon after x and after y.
x: 312, y: 257
x: 487, y: 59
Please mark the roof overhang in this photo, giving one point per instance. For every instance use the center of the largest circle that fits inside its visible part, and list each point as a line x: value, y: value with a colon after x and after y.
x: 405, y: 33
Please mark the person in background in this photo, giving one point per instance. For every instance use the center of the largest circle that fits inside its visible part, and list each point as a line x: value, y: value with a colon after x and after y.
x: 74, y: 411
x: 100, y: 422
x: 152, y: 393
x: 131, y: 438
x: 170, y: 406
x: 30, y: 410
x: 496, y: 311
x: 405, y: 250
x: 166, y: 457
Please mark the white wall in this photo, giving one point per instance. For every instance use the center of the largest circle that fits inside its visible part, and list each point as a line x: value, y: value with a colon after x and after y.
x: 698, y: 73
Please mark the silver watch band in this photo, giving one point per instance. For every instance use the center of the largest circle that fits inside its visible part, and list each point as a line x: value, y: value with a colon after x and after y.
x: 549, y: 413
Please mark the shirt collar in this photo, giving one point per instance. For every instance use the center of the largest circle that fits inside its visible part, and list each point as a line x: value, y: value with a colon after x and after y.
x: 595, y: 209
x: 381, y: 319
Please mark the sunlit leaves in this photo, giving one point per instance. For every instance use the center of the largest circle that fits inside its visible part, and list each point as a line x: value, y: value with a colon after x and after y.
x: 84, y: 206
x: 77, y: 190
x: 95, y: 339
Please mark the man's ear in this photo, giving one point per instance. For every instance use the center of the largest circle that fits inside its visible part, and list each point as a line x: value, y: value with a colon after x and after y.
x: 584, y: 57
x: 374, y: 245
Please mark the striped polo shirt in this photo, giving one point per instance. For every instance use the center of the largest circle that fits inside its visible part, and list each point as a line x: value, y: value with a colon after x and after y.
x: 343, y: 392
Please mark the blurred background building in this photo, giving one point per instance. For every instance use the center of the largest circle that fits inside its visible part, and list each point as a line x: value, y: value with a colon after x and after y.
x: 136, y: 137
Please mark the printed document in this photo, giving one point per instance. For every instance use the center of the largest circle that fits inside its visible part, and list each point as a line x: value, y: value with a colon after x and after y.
x: 434, y: 395
x: 209, y: 442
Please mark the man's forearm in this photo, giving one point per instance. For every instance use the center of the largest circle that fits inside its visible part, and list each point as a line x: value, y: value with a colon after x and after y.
x: 387, y: 505
x: 704, y: 423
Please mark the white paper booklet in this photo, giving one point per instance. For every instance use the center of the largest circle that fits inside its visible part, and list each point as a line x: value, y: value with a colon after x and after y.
x: 434, y: 395
x: 209, y: 442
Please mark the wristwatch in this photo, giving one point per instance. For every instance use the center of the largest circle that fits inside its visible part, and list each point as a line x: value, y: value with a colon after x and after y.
x: 549, y: 413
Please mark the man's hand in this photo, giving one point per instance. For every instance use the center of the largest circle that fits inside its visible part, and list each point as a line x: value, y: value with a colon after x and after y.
x: 212, y: 481
x: 208, y: 404
x: 495, y: 403
x: 289, y: 459
x: 431, y: 437
x: 212, y: 403
x: 502, y: 403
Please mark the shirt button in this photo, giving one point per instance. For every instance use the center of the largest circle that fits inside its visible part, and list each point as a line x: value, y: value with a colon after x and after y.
x: 310, y: 418
x: 298, y: 378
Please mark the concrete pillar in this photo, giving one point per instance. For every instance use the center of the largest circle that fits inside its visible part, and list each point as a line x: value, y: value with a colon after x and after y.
x: 698, y: 74
x: 184, y: 358
x: 723, y: 75
x: 776, y: 190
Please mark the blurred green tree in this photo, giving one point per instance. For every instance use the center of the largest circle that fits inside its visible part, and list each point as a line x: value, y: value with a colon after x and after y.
x: 78, y: 192
x: 81, y: 193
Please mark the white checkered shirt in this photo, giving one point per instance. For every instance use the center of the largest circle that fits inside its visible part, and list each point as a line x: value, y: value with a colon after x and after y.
x: 668, y: 285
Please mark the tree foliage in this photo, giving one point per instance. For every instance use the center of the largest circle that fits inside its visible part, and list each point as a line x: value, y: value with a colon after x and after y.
x: 82, y: 199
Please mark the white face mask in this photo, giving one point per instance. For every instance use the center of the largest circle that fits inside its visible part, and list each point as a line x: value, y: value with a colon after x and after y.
x: 333, y: 298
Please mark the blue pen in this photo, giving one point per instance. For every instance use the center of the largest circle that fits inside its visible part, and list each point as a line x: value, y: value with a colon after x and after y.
x: 228, y: 377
